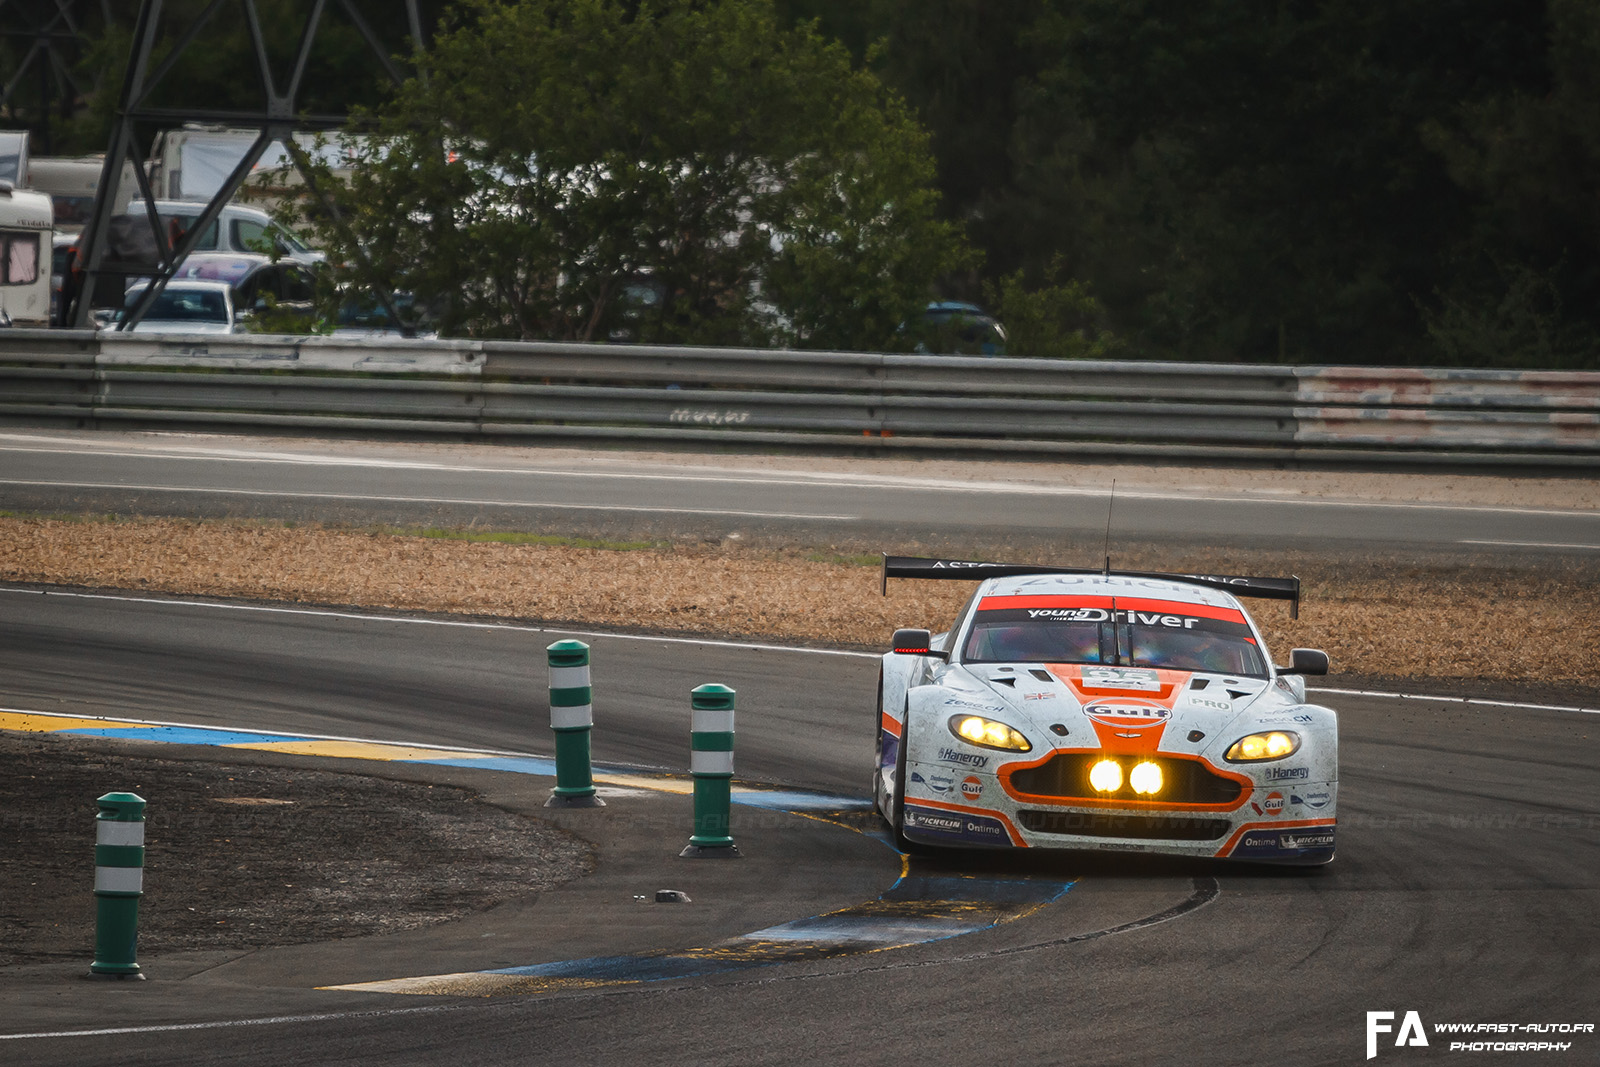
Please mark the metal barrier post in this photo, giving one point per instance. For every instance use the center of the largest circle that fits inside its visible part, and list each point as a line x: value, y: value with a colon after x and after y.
x: 572, y: 721
x: 118, y: 885
x: 711, y: 763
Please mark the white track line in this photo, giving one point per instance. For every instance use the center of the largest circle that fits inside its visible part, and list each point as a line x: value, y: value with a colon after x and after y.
x: 738, y: 476
x: 1457, y: 700
x: 690, y: 641
x: 1528, y: 544
x: 273, y: 1020
x: 461, y: 623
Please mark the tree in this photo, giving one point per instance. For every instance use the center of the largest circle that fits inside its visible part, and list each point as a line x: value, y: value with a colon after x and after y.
x: 683, y: 171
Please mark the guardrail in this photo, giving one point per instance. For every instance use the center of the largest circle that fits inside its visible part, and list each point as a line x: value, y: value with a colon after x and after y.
x: 901, y: 403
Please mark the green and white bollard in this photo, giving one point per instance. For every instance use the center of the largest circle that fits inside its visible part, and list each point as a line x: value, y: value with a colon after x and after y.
x: 572, y: 720
x: 118, y: 885
x: 711, y: 763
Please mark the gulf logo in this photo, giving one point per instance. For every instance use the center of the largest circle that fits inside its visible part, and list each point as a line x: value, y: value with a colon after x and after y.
x: 1128, y: 714
x: 1272, y: 806
x: 971, y: 787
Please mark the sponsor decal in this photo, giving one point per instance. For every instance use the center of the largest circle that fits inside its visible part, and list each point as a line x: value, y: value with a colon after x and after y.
x: 1128, y: 714
x: 972, y: 706
x: 965, y: 759
x: 1039, y: 696
x: 1284, y: 844
x: 1120, y: 678
x: 1314, y: 800
x: 1207, y: 702
x: 1151, y: 618
x: 941, y: 783
x: 1271, y: 807
x: 1279, y: 720
x: 971, y: 787
x: 972, y: 828
x: 935, y: 821
x: 1284, y: 774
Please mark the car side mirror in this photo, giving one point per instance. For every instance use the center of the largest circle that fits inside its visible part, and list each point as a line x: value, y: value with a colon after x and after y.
x: 1306, y: 661
x: 917, y: 643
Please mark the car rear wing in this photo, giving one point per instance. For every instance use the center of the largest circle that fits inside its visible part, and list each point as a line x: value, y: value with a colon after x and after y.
x: 971, y: 571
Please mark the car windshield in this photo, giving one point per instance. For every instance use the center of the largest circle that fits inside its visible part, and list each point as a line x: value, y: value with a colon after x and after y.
x: 186, y: 305
x: 1169, y: 635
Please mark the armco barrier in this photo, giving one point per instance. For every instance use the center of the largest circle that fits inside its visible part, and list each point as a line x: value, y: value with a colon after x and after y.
x: 902, y: 403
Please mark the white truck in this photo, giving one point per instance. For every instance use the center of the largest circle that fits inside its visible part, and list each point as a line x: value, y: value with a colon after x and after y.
x: 25, y: 226
x: 71, y: 182
x: 191, y: 163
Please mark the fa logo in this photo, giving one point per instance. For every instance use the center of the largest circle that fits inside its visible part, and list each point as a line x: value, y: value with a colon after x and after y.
x: 1411, y: 1031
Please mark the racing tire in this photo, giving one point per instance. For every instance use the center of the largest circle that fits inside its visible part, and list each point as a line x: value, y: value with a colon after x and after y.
x: 897, y: 800
x: 880, y: 801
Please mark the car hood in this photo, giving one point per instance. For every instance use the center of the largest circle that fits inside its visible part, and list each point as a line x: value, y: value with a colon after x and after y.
x: 1109, y: 707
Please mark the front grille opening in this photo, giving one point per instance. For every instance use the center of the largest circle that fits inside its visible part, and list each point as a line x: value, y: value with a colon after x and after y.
x: 1066, y: 774
x: 1137, y: 827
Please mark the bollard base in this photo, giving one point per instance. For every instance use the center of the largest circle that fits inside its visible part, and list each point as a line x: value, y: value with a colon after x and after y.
x: 710, y: 852
x: 116, y: 976
x: 586, y: 801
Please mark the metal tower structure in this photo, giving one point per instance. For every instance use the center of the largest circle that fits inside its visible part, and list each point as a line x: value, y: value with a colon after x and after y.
x: 51, y: 34
x: 279, y: 118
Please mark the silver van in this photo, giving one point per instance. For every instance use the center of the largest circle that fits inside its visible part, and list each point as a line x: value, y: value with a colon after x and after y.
x: 237, y: 229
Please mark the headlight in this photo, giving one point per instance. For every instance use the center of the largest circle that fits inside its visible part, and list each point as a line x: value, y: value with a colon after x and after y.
x: 1274, y: 745
x: 1145, y: 778
x: 976, y: 730
x: 1106, y: 776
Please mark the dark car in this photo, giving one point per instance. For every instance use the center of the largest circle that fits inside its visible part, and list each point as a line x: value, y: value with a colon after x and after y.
x: 283, y: 289
x: 954, y: 328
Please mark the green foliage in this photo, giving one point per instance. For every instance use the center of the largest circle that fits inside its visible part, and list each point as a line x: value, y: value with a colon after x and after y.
x: 1058, y: 320
x: 1519, y: 324
x: 557, y: 157
x: 1315, y: 181
x: 1239, y: 179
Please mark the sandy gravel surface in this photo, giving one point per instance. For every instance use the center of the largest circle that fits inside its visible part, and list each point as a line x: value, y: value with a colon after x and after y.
x: 1499, y: 621
x: 244, y: 851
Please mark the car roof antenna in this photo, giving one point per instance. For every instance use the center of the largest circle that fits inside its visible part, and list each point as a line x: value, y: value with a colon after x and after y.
x: 1111, y: 502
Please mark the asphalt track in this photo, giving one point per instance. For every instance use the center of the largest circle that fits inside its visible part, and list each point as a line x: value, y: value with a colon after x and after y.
x: 1465, y: 889
x: 796, y: 498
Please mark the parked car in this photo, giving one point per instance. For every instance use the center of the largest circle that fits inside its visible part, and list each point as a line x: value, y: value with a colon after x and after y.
x: 260, y: 285
x: 955, y: 328
x: 363, y: 315
x: 186, y: 305
x: 237, y: 229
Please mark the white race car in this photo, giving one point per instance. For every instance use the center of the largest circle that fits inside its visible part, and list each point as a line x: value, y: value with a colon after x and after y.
x: 1124, y: 710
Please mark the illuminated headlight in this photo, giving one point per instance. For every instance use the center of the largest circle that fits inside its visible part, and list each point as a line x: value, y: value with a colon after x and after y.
x: 976, y: 730
x: 1106, y: 776
x: 1274, y: 745
x: 1145, y: 778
